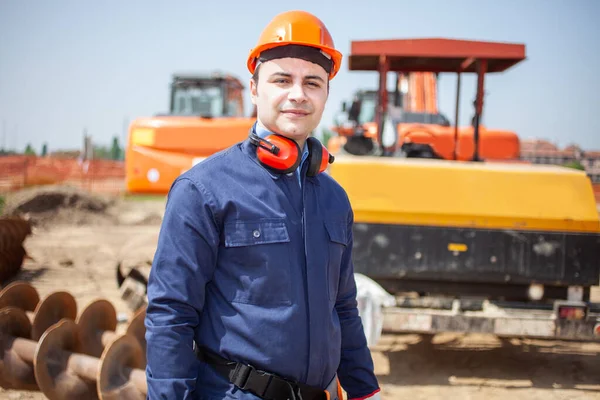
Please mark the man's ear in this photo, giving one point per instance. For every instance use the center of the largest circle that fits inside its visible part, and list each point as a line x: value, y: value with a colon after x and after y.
x: 253, y: 91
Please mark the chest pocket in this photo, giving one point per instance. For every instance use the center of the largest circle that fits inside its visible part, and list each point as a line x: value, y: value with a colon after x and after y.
x: 336, y: 229
x: 255, y: 261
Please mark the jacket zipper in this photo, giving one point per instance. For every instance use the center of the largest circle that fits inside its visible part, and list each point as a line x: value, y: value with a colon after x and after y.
x: 302, y: 186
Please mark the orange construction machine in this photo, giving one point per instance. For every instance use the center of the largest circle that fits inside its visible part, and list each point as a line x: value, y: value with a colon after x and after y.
x: 206, y: 115
x: 410, y: 122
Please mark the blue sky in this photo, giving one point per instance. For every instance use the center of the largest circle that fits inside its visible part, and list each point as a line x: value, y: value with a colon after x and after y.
x: 70, y: 65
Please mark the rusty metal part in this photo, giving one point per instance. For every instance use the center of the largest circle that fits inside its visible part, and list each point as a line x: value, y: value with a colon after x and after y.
x: 137, y: 329
x: 13, y: 232
x: 97, y: 327
x: 97, y: 324
x: 16, y: 359
x: 60, y: 371
x: 15, y: 227
x: 55, y: 365
x: 11, y: 260
x: 17, y: 325
x: 122, y: 373
x: 42, y: 314
x: 53, y: 308
x: 21, y: 295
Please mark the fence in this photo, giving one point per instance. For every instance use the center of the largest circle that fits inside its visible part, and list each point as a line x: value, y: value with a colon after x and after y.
x: 105, y: 176
x: 17, y: 172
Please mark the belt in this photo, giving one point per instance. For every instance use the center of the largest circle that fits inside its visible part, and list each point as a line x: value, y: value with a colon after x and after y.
x: 263, y: 384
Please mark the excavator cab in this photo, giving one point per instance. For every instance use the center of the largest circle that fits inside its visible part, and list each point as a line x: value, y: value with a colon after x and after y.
x: 207, y: 96
x: 357, y: 123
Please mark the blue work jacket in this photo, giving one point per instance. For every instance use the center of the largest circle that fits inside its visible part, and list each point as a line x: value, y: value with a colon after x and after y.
x: 257, y: 268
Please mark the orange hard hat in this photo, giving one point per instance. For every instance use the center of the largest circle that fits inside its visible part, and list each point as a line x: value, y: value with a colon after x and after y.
x: 296, y: 28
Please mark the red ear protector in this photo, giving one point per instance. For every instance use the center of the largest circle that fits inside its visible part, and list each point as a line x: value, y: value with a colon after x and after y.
x: 283, y: 155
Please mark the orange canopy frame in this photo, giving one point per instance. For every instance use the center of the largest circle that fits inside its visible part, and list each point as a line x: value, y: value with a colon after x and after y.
x: 437, y: 55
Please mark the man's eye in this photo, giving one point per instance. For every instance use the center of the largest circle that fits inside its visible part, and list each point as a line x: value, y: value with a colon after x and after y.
x: 314, y: 84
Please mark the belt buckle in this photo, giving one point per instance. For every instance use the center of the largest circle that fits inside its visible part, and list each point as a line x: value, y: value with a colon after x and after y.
x: 241, y: 373
x: 246, y: 377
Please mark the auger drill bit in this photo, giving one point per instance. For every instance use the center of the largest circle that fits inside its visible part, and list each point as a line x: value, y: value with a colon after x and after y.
x: 42, y: 314
x: 62, y: 372
x: 97, y: 325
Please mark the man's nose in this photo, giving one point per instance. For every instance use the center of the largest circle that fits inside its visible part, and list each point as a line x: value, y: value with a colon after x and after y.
x: 297, y: 93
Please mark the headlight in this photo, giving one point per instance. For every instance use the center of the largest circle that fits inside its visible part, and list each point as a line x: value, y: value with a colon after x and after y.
x: 142, y: 137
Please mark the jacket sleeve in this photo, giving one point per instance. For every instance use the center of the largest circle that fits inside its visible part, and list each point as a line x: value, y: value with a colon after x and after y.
x: 183, y: 263
x: 356, y: 370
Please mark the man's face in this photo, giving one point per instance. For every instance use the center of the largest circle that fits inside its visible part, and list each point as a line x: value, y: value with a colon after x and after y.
x: 290, y: 96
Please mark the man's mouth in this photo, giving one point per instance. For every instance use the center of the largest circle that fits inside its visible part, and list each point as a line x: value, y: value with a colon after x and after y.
x: 298, y: 113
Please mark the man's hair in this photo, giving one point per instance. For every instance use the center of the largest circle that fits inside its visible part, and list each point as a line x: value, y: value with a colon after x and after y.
x: 255, y: 74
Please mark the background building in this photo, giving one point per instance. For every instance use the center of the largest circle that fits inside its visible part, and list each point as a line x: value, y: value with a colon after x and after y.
x: 544, y: 152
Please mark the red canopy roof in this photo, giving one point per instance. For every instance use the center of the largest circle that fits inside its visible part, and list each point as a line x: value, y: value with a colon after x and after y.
x: 434, y: 55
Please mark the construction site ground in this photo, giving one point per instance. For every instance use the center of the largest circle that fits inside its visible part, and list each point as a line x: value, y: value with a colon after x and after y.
x: 77, y: 250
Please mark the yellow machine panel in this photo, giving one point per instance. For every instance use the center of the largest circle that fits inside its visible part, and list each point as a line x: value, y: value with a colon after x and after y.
x: 467, y: 194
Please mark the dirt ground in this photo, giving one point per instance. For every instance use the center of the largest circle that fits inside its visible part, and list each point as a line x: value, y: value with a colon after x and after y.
x: 80, y: 256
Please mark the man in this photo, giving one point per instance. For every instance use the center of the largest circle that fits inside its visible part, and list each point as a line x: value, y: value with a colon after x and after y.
x: 252, y: 293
